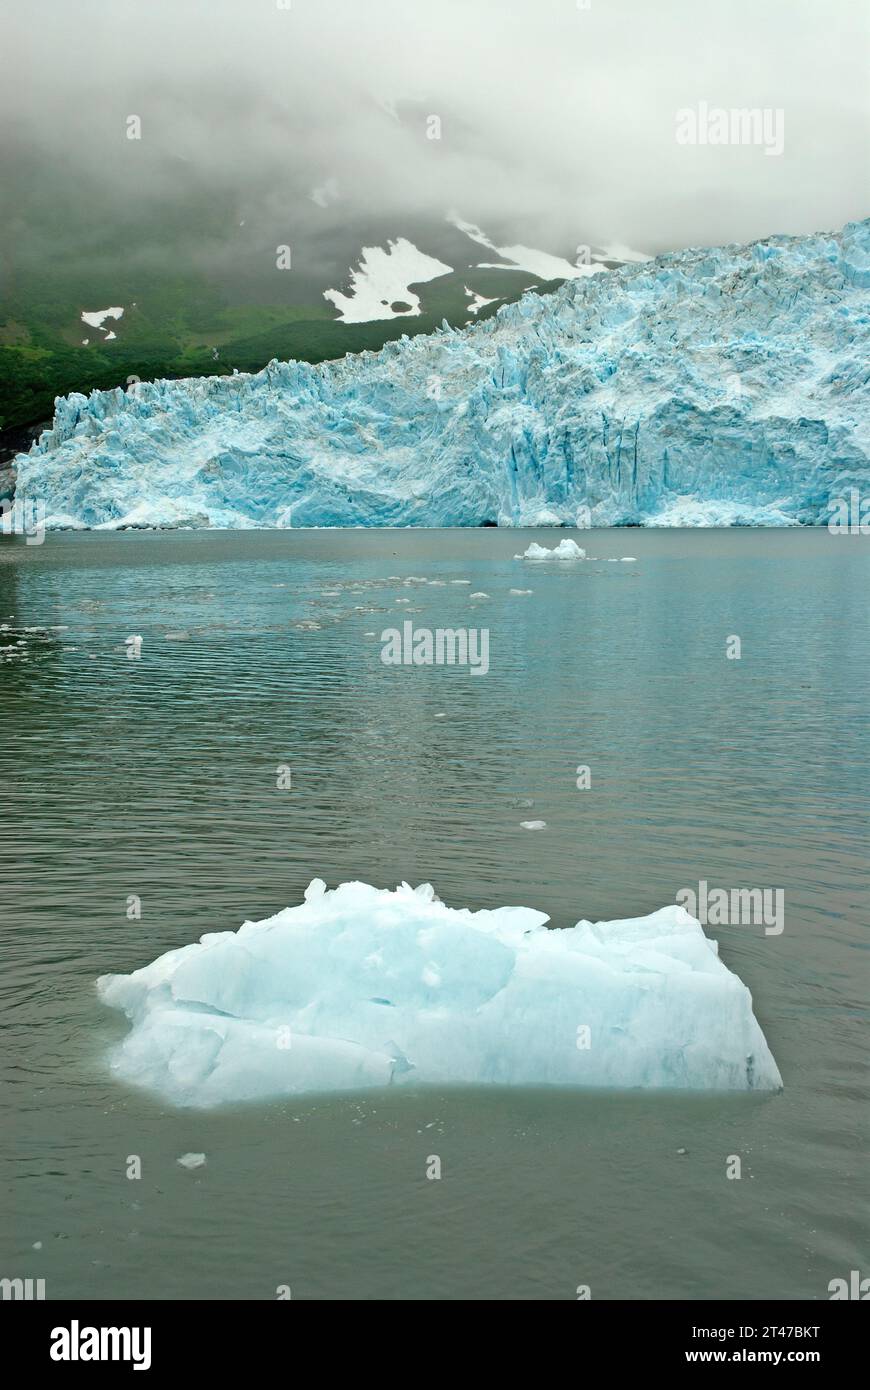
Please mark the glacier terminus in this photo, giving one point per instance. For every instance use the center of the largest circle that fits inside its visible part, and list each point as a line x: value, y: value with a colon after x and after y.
x: 724, y: 386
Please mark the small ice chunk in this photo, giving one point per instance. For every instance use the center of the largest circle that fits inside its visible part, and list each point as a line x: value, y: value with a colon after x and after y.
x: 533, y: 824
x: 478, y: 594
x: 519, y: 591
x: 192, y: 1160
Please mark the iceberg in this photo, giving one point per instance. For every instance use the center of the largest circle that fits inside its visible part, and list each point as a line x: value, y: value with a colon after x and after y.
x: 361, y: 987
x: 711, y: 387
x: 565, y: 550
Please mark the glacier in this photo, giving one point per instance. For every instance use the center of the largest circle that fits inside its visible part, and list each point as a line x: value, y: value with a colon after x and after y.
x: 360, y: 987
x: 723, y: 386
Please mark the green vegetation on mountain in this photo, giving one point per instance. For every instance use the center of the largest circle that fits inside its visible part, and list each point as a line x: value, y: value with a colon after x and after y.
x: 182, y: 326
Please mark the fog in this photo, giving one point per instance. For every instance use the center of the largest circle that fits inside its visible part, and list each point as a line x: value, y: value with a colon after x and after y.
x: 557, y: 123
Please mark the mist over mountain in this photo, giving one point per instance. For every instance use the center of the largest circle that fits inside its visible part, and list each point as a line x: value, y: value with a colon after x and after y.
x: 334, y: 126
x: 555, y: 119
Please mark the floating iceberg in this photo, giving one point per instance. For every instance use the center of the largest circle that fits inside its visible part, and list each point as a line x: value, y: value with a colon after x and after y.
x: 359, y: 987
x: 715, y: 387
x: 565, y: 550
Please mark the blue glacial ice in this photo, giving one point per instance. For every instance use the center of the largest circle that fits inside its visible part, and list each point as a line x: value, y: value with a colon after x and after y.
x: 717, y: 386
x: 360, y: 987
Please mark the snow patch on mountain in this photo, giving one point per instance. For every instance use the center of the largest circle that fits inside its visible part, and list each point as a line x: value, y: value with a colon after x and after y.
x: 539, y: 263
x: 380, y: 286
x: 478, y: 301
x: 623, y: 255
x: 96, y: 318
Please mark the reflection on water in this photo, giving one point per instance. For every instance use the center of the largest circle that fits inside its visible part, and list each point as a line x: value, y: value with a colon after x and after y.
x: 156, y: 777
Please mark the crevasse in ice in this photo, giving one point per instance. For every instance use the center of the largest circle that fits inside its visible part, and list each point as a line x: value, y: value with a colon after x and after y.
x: 361, y: 987
x: 710, y: 387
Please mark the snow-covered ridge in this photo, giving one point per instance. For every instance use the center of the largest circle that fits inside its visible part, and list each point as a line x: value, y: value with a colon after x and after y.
x: 360, y: 987
x: 723, y: 386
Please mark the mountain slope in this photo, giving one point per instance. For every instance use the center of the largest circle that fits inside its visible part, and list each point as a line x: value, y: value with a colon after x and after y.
x: 708, y: 387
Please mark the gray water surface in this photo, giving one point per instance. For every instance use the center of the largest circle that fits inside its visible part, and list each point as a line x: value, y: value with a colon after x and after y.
x: 157, y: 778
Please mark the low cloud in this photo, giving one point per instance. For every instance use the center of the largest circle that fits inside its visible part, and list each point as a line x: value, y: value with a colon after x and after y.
x: 557, y: 123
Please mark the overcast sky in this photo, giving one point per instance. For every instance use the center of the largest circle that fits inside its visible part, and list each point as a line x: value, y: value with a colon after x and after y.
x: 558, y: 123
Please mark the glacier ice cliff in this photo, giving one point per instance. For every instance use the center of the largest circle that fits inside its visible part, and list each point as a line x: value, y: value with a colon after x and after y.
x: 714, y: 386
x: 361, y: 987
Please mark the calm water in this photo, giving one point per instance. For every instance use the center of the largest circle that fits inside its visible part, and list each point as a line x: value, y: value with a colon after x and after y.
x: 157, y: 777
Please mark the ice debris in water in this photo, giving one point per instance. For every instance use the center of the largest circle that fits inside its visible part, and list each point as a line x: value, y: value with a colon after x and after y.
x: 718, y: 386
x: 192, y: 1160
x: 361, y: 987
